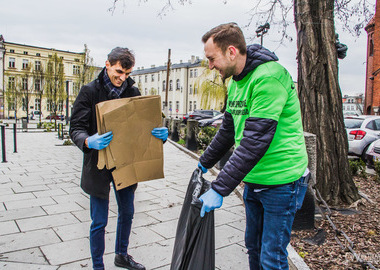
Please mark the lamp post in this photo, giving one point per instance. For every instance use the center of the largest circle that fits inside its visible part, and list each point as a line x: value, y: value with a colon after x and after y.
x: 262, y: 30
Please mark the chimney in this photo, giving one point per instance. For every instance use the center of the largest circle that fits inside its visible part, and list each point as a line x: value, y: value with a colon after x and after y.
x: 153, y: 66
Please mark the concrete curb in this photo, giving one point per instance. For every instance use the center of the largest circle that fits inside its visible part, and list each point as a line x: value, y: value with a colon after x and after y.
x: 295, y: 261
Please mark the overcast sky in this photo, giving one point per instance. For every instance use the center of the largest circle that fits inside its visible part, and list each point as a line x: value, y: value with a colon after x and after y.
x: 69, y: 24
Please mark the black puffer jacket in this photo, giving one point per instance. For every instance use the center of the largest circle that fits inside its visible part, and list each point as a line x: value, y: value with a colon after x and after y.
x: 83, y: 124
x: 257, y: 136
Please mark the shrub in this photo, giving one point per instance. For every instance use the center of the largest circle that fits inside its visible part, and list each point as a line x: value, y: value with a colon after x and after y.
x: 358, y: 167
x: 205, y: 136
x: 67, y: 142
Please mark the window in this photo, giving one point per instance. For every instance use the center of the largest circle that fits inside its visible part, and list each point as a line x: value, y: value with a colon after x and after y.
x: 37, y: 85
x: 177, y: 106
x: 152, y: 78
x: 170, y: 106
x: 195, y: 90
x: 178, y: 85
x: 24, y: 104
x: 195, y: 105
x: 24, y: 83
x: 190, y: 106
x: 195, y: 73
x: 37, y: 65
x: 38, y: 54
x: 191, y: 73
x: 76, y: 88
x: 60, y: 106
x: 371, y: 47
x: 12, y: 62
x: 37, y: 104
x: 11, y: 104
x: 49, y: 105
x: 158, y: 77
x: 191, y: 89
x: 25, y: 63
x: 163, y: 85
x: 140, y: 79
x: 12, y: 51
x: 146, y: 78
x: 11, y: 83
x: 76, y: 70
x: 76, y: 60
x: 171, y: 85
x: 163, y: 105
x: 146, y: 91
x: 25, y: 52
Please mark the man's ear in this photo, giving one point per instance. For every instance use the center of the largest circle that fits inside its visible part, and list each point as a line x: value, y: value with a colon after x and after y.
x: 232, y: 52
x: 108, y: 64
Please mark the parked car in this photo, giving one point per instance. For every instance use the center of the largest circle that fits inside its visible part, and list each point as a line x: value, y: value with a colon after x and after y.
x: 373, y: 153
x: 200, y: 114
x: 361, y: 132
x: 55, y: 116
x: 208, y: 122
x: 35, y: 114
x: 217, y: 122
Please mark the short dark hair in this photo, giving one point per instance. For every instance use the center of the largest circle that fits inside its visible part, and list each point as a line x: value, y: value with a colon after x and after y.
x: 225, y: 35
x: 122, y: 55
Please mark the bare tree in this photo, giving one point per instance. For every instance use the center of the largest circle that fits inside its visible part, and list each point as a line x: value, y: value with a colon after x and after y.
x: 55, y: 85
x: 38, y: 75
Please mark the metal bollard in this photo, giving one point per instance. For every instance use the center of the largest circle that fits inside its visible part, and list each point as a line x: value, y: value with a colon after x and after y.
x: 3, y: 143
x: 14, y: 138
x: 175, y: 130
x: 191, y: 141
x: 60, y: 131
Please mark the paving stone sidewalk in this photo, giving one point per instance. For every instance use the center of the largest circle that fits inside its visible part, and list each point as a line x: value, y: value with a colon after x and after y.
x: 45, y: 219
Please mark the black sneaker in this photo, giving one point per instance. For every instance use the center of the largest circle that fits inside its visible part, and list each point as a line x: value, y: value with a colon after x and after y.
x: 126, y: 261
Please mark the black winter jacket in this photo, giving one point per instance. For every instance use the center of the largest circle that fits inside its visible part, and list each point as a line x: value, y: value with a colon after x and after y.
x: 257, y: 136
x: 83, y: 124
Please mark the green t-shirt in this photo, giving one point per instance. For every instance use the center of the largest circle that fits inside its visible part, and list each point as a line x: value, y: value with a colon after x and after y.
x: 269, y: 92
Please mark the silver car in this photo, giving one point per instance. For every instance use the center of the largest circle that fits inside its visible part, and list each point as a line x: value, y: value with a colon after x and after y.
x: 361, y: 131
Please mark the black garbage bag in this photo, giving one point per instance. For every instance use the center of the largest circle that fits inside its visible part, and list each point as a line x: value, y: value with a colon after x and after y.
x: 194, y: 246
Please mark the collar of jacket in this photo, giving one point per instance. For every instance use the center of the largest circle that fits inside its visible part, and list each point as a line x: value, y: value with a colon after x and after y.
x: 256, y: 55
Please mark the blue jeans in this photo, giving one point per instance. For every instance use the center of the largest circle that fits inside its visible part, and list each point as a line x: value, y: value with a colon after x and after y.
x: 270, y: 214
x: 99, y: 216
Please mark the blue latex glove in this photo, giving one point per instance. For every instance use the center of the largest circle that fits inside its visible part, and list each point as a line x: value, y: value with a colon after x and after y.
x: 211, y: 200
x: 161, y: 133
x: 200, y: 166
x: 99, y: 142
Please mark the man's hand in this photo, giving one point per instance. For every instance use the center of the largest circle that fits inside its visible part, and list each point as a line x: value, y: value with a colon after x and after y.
x: 161, y: 133
x: 99, y: 142
x: 211, y: 200
x: 203, y: 169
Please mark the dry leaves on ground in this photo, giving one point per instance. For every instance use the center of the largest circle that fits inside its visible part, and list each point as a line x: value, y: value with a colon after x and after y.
x: 361, y: 226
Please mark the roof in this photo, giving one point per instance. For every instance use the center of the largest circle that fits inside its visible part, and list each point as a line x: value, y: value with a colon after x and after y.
x: 37, y: 47
x: 197, y: 63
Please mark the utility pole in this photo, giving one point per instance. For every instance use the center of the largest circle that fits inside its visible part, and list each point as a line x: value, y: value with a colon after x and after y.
x: 166, y: 109
x: 262, y: 30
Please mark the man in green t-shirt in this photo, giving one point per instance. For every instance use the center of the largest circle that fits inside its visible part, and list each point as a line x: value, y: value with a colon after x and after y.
x: 263, y: 120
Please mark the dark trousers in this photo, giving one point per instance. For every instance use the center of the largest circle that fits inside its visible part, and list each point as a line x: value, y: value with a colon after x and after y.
x: 99, y: 216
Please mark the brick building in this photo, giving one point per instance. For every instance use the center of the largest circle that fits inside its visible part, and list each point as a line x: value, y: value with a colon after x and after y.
x: 372, y: 92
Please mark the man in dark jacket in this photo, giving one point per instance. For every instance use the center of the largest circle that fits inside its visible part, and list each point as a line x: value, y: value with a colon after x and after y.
x: 263, y: 120
x: 113, y: 82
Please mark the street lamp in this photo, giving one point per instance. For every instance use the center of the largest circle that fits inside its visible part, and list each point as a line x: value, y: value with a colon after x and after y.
x: 262, y: 30
x: 376, y: 110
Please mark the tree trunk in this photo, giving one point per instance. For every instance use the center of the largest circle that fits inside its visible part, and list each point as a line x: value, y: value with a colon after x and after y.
x: 321, y: 99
